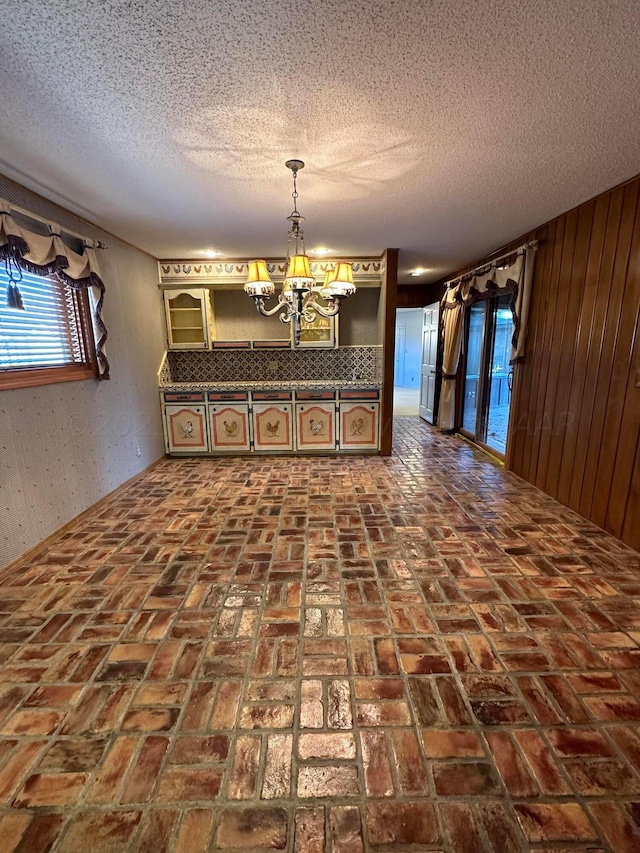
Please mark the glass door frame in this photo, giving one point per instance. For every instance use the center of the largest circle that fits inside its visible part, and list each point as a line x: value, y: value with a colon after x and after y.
x: 483, y: 392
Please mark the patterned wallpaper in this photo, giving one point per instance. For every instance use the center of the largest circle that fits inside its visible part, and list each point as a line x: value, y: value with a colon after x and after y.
x: 349, y: 363
x: 65, y: 446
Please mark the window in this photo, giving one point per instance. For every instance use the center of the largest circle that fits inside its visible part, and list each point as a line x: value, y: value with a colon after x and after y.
x: 50, y: 340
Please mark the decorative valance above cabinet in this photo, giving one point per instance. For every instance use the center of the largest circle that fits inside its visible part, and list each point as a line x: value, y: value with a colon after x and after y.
x: 233, y: 273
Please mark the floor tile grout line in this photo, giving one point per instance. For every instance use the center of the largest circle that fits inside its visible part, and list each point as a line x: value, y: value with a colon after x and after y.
x: 387, y: 587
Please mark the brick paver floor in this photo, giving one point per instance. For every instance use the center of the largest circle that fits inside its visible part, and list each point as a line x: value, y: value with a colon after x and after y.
x: 323, y: 654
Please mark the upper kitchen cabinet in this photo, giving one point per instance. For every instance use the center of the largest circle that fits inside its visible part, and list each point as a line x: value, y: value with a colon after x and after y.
x: 318, y: 333
x: 214, y: 292
x: 189, y: 319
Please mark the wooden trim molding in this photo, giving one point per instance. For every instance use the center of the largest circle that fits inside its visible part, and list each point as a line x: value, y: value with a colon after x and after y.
x: 28, y: 378
x: 390, y: 295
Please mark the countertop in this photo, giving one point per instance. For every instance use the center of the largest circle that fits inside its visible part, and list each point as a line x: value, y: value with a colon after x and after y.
x: 275, y: 385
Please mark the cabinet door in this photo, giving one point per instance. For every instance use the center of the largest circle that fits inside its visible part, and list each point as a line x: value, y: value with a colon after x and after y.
x: 273, y: 426
x: 187, y: 314
x: 321, y: 332
x: 316, y: 426
x: 229, y: 427
x: 359, y: 426
x: 186, y: 429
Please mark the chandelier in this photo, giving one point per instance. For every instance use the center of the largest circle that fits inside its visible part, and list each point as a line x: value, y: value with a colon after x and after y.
x: 297, y: 299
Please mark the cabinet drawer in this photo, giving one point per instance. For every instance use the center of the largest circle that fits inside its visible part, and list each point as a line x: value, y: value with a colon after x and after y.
x: 315, y: 395
x: 239, y: 396
x: 231, y: 345
x: 272, y: 344
x: 194, y: 397
x: 271, y: 395
x: 357, y: 394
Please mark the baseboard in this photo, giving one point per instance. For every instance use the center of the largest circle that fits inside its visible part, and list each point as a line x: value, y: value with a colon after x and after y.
x: 43, y: 546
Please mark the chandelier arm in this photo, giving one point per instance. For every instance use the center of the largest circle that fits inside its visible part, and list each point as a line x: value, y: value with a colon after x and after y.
x: 269, y: 312
x: 331, y: 311
x: 308, y: 314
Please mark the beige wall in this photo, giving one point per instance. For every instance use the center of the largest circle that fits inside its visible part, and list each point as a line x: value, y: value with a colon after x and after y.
x: 358, y: 320
x: 236, y: 318
x: 65, y: 446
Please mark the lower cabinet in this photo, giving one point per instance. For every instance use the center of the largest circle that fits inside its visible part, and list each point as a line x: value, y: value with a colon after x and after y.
x: 273, y: 426
x: 242, y: 422
x: 229, y: 427
x: 186, y: 428
x: 316, y: 426
x: 359, y: 426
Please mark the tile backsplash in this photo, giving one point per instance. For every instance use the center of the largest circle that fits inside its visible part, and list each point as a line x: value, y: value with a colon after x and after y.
x: 348, y: 363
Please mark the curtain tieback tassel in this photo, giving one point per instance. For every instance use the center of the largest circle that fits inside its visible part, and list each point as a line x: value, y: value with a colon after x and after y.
x: 14, y: 297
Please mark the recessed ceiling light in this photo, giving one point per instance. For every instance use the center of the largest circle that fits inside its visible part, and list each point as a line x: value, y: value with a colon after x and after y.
x: 321, y: 250
x: 419, y: 271
x: 211, y: 253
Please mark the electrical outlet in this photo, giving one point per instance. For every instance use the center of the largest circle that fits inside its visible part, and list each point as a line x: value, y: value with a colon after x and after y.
x: 273, y: 365
x: 138, y: 451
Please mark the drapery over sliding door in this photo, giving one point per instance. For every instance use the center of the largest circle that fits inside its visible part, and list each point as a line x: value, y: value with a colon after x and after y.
x: 490, y: 280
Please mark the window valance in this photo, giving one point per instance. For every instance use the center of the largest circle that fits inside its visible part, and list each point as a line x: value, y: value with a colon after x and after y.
x: 47, y: 255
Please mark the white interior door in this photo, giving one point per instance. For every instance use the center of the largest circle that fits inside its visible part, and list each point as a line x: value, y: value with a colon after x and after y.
x: 401, y: 334
x: 429, y: 356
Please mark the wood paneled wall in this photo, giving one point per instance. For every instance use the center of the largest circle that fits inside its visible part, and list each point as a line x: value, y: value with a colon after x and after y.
x: 576, y: 417
x: 575, y: 422
x: 418, y: 295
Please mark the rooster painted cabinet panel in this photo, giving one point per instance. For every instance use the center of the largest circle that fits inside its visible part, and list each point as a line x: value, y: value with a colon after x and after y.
x: 186, y: 429
x: 359, y: 426
x: 229, y: 428
x: 316, y: 426
x: 273, y: 426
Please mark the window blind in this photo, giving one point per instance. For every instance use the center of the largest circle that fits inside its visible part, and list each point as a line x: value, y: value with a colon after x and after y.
x: 48, y: 333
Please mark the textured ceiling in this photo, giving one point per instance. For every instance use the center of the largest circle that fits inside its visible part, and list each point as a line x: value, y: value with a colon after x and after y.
x: 443, y: 127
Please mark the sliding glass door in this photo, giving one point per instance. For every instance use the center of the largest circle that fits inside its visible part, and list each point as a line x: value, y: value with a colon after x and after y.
x: 487, y: 379
x: 474, y: 347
